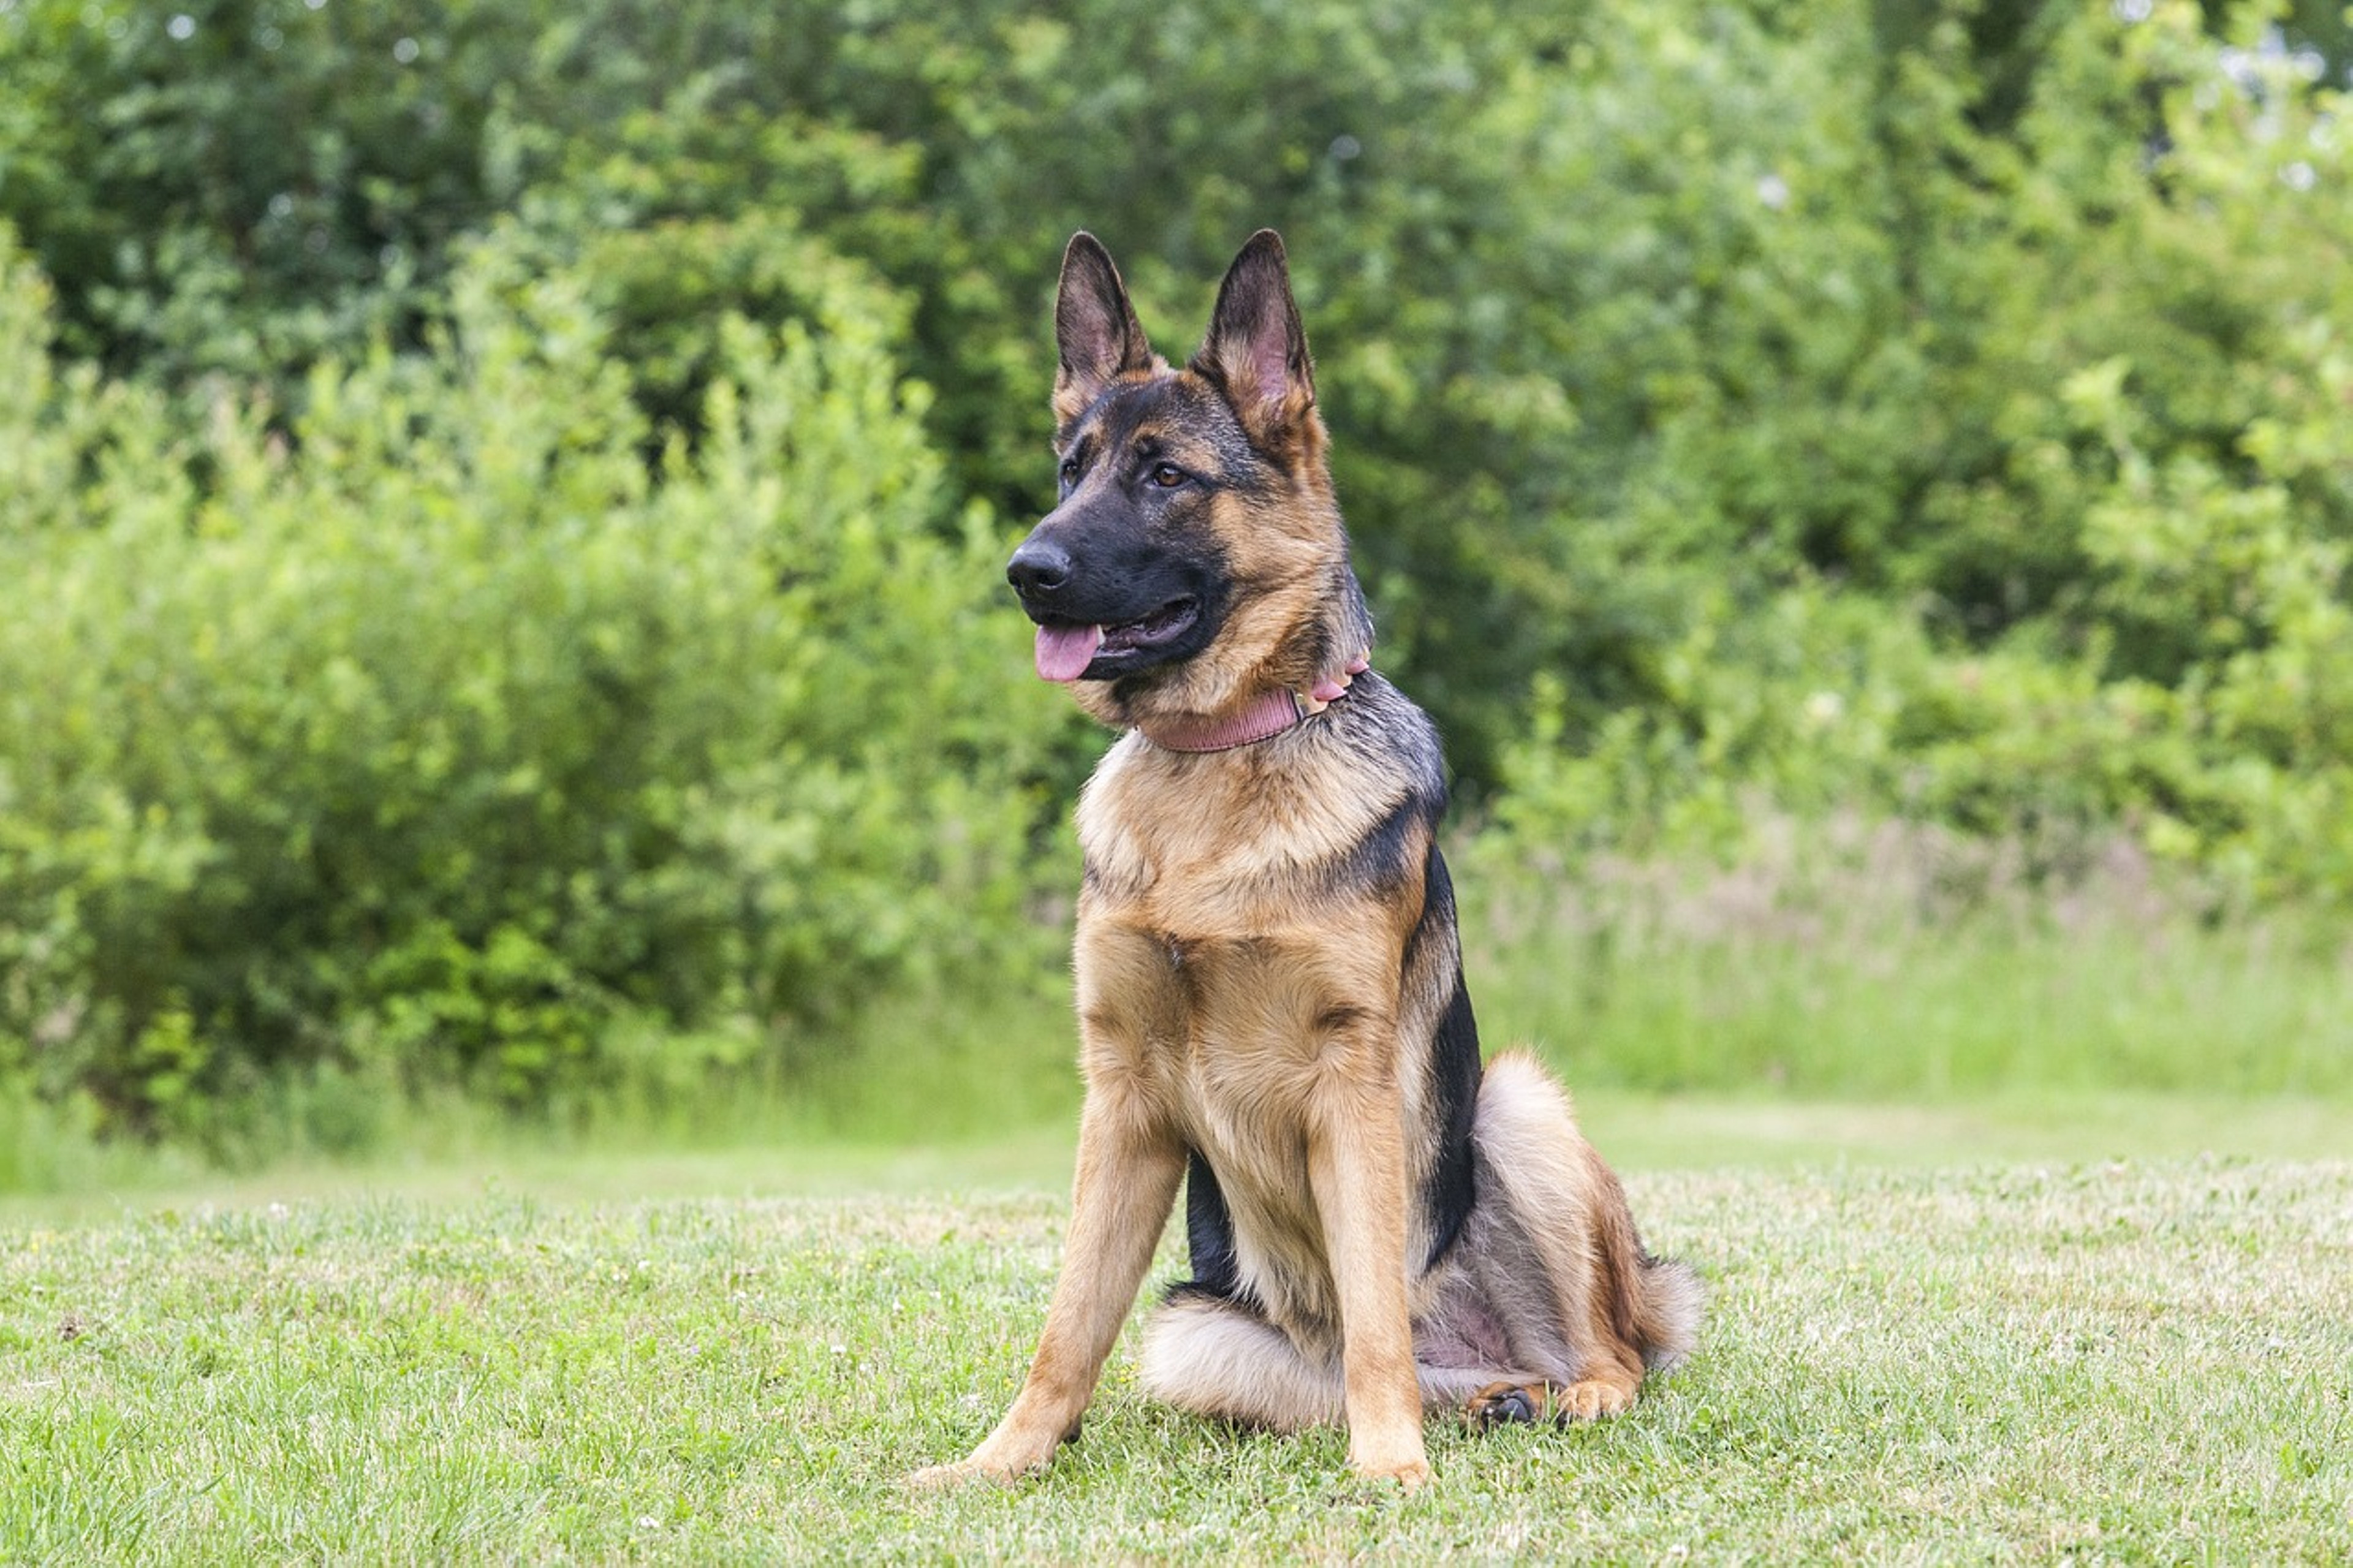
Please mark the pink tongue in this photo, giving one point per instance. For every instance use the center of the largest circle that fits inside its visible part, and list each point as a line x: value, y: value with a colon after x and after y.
x: 1064, y: 652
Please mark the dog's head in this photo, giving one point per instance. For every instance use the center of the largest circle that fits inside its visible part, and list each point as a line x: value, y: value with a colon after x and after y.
x: 1197, y: 559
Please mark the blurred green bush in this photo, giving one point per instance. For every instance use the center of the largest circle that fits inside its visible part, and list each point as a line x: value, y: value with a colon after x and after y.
x: 1610, y: 299
x: 426, y: 737
x: 504, y: 501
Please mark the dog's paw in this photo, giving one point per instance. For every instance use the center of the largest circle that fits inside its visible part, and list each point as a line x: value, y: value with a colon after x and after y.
x: 936, y: 1478
x: 1006, y: 1457
x: 1589, y: 1401
x: 1505, y: 1403
x: 1402, y: 1461
x: 1407, y: 1473
x: 964, y: 1472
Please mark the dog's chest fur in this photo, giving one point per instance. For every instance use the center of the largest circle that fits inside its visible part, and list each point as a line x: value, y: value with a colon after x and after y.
x: 1240, y: 964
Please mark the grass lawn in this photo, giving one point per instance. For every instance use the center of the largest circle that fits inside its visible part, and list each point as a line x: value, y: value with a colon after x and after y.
x: 1991, y: 1355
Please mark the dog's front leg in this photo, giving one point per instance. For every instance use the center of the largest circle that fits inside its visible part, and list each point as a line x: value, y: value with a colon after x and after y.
x: 1128, y: 1168
x: 1355, y: 1169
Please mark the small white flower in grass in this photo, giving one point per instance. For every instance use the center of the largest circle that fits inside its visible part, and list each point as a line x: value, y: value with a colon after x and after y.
x: 1774, y: 192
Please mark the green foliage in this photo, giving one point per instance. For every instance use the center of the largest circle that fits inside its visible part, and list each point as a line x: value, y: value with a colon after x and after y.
x: 1612, y: 307
x: 238, y: 185
x: 484, y: 562
x: 428, y: 739
x: 2099, y: 577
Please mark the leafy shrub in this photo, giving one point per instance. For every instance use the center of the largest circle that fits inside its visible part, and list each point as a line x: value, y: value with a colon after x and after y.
x: 435, y: 736
x: 435, y: 637
x: 2118, y: 595
x: 1618, y: 305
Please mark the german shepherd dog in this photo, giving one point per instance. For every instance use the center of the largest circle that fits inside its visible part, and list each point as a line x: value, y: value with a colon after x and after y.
x: 1269, y: 983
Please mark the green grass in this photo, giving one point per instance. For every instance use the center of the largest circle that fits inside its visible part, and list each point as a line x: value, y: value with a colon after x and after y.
x: 792, y: 1157
x: 2143, y: 1360
x: 1879, y: 962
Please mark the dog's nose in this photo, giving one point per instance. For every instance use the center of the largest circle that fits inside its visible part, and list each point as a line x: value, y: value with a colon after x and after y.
x: 1038, y: 568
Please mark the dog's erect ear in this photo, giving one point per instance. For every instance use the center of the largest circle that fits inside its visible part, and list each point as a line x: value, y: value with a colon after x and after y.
x: 1256, y: 348
x: 1094, y: 328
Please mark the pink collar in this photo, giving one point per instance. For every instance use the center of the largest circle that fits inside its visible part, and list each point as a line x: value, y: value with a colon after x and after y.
x: 1262, y: 720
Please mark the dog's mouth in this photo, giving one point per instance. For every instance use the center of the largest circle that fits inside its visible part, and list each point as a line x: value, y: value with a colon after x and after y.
x: 1069, y: 650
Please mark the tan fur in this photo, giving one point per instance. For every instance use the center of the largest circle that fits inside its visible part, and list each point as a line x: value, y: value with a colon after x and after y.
x: 1265, y: 970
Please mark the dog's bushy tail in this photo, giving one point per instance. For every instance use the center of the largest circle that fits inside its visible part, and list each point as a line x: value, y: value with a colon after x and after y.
x: 1667, y: 1298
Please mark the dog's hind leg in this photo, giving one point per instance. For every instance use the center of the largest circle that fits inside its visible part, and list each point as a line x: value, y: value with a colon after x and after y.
x: 1586, y: 1304
x: 1218, y: 1358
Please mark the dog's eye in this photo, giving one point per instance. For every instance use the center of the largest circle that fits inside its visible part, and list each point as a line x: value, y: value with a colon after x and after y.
x: 1070, y: 471
x: 1167, y: 476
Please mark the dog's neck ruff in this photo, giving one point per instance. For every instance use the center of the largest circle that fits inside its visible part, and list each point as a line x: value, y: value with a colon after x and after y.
x: 1261, y: 720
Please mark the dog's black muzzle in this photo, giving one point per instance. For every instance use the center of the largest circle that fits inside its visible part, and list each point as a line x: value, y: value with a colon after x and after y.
x: 1157, y: 605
